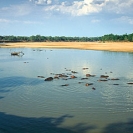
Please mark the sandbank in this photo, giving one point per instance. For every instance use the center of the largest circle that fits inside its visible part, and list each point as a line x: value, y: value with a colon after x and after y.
x: 107, y: 46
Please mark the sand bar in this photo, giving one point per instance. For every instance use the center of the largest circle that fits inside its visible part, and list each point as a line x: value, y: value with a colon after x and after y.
x: 107, y: 46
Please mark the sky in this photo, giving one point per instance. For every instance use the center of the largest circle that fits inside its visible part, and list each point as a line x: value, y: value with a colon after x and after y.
x: 89, y: 18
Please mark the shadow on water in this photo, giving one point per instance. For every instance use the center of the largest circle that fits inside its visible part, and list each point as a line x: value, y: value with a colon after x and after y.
x: 1, y: 97
x: 17, y: 124
x: 18, y: 81
x: 8, y: 83
x: 120, y: 127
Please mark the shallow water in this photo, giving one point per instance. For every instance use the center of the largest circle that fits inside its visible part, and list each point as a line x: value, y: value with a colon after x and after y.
x: 30, y: 104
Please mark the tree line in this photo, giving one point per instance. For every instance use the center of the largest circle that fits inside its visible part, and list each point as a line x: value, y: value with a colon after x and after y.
x: 116, y: 38
x: 39, y: 38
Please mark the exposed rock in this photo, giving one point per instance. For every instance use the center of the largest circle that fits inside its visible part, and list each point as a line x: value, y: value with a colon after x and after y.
x: 17, y: 53
x: 88, y: 84
x: 56, y: 77
x: 88, y: 75
x: 73, y: 77
x: 104, y: 76
x: 49, y: 79
x: 83, y: 78
x: 131, y: 83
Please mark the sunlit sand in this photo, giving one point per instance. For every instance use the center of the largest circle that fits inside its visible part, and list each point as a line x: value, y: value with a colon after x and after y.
x: 107, y: 46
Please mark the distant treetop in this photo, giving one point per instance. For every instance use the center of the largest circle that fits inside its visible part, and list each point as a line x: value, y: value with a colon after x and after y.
x: 39, y: 38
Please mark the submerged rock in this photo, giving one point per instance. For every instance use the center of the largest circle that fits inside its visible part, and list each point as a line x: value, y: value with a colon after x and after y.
x: 64, y: 79
x: 102, y: 80
x: 80, y: 82
x: 114, y: 79
x: 85, y: 68
x: 74, y: 72
x: 89, y: 75
x: 26, y: 62
x: 40, y: 76
x: 49, y: 79
x: 65, y: 85
x: 63, y: 75
x: 93, y: 88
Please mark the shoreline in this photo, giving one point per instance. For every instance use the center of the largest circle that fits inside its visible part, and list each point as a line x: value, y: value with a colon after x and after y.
x: 107, y: 46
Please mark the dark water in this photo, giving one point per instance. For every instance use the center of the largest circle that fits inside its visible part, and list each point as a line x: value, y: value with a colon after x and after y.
x: 28, y: 104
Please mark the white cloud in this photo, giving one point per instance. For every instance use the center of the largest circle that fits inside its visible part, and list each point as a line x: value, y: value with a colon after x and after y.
x: 9, y: 21
x: 118, y: 6
x: 77, y: 8
x: 74, y: 8
x: 86, y: 7
x: 125, y: 19
x: 41, y: 2
x: 31, y: 22
x: 4, y: 21
x: 95, y: 20
x: 16, y: 10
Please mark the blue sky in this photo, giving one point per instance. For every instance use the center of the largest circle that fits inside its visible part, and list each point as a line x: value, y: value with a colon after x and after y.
x: 88, y: 18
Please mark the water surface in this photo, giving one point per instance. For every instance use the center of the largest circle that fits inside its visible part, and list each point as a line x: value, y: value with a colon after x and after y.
x: 30, y: 104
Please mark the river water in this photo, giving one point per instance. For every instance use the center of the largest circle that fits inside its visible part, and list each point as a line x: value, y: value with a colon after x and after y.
x: 28, y: 104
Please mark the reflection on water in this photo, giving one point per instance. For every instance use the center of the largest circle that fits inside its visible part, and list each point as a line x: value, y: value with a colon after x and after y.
x: 27, y: 98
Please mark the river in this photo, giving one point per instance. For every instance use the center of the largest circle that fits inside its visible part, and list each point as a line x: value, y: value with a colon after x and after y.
x: 94, y: 104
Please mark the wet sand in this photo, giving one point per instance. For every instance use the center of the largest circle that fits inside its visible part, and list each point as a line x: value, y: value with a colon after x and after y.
x: 107, y: 46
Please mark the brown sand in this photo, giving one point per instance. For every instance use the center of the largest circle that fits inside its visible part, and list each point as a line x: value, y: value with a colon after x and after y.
x: 107, y: 46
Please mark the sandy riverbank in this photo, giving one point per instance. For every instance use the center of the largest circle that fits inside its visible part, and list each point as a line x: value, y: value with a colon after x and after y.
x: 108, y: 46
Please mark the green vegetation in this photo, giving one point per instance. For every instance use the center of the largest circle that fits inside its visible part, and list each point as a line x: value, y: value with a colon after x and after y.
x: 116, y: 38
x: 39, y: 38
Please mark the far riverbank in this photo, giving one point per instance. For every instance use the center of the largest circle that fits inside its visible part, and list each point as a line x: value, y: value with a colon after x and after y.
x: 107, y: 46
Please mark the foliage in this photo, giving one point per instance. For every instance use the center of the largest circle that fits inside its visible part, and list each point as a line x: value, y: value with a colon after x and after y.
x: 39, y: 38
x: 121, y: 38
